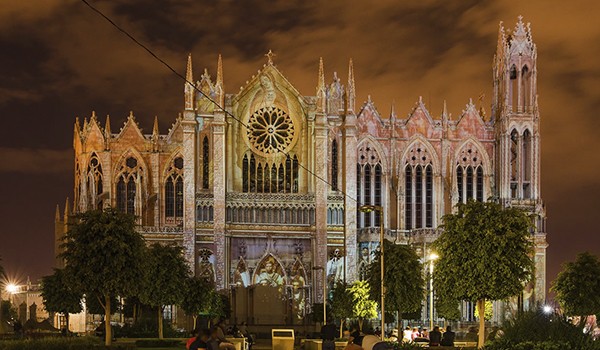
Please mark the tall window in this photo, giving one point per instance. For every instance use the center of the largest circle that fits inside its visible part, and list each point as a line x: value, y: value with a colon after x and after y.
x: 334, y: 166
x: 205, y: 162
x: 369, y: 182
x: 469, y: 174
x: 526, y: 163
x: 128, y: 182
x: 418, y: 191
x: 514, y: 163
x: 174, y: 190
x: 259, y: 177
x: 526, y: 88
x: 94, y: 182
x: 514, y: 89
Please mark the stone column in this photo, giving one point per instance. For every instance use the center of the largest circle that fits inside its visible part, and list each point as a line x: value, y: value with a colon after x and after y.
x: 189, y: 189
x: 349, y: 161
x: 321, y: 189
x: 219, y: 184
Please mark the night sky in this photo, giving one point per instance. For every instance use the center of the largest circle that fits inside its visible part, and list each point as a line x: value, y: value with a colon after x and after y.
x: 59, y: 60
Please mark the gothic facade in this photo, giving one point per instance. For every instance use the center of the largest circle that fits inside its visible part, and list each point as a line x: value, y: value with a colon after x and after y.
x: 265, y: 193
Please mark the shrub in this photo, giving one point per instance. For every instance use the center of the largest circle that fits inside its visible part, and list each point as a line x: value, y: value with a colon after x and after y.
x: 157, y: 343
x: 537, y: 331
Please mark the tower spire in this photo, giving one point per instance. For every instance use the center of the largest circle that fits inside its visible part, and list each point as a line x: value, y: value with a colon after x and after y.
x: 219, y: 84
x: 67, y: 210
x: 57, y: 214
x: 107, y: 133
x: 155, y: 134
x: 321, y: 92
x: 351, y: 90
x: 188, y: 89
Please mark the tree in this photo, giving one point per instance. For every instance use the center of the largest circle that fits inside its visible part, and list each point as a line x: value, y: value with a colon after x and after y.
x: 403, y: 279
x: 485, y: 253
x: 363, y: 307
x: 341, y: 304
x: 94, y: 304
x: 59, y: 296
x: 576, y: 286
x: 196, y: 298
x: 447, y: 308
x: 489, y: 310
x: 103, y: 256
x: 165, y: 279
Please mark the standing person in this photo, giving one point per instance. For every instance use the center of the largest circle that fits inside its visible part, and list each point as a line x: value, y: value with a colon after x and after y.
x: 328, y: 333
x: 201, y: 341
x: 435, y: 336
x: 448, y: 337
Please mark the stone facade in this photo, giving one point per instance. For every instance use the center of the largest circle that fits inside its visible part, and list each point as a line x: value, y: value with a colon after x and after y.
x: 265, y: 191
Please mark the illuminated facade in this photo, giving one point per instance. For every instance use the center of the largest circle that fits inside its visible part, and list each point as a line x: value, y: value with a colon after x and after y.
x: 267, y: 193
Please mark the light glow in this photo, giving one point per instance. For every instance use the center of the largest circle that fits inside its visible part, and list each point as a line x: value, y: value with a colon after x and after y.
x: 433, y: 256
x: 12, y: 288
x: 547, y: 309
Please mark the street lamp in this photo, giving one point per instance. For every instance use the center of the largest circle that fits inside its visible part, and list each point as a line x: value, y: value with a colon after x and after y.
x: 379, y: 209
x: 432, y: 258
x: 324, y: 292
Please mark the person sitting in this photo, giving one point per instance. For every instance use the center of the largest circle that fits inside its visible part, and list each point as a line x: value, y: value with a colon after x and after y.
x: 201, y: 341
x: 328, y: 333
x: 448, y: 337
x: 219, y: 335
x: 435, y: 337
x: 369, y: 340
x: 394, y: 336
x: 407, y: 335
x: 355, y: 341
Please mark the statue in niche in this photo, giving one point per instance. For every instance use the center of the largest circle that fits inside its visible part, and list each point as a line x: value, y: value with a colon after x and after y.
x: 364, y: 261
x: 206, y: 265
x: 270, y: 273
x: 268, y: 89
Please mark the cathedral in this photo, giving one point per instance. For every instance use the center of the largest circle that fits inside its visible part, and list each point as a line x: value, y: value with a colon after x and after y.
x: 263, y: 187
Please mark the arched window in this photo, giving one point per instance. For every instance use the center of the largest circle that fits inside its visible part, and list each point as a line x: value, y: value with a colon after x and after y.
x: 369, y: 184
x: 469, y: 174
x: 129, y: 180
x: 526, y: 88
x: 205, y: 162
x: 514, y: 89
x: 514, y: 163
x: 418, y: 191
x: 94, y: 182
x: 174, y: 190
x: 526, y: 163
x: 334, y: 166
x: 258, y: 177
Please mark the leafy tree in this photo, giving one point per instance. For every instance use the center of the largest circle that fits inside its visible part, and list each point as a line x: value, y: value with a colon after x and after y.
x: 94, y: 304
x: 403, y: 279
x: 577, y: 286
x: 197, y: 297
x: 165, y: 279
x: 485, y: 253
x: 59, y: 296
x: 363, y: 307
x: 447, y: 308
x: 341, y: 304
x: 103, y: 254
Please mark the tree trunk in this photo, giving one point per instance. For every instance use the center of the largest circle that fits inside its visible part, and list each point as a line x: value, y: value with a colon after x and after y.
x: 341, y: 328
x: 195, y: 323
x: 107, y: 327
x: 360, y: 322
x: 160, y: 322
x: 481, y: 309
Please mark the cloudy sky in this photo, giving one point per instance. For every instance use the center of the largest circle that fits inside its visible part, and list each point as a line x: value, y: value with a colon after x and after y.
x: 60, y: 60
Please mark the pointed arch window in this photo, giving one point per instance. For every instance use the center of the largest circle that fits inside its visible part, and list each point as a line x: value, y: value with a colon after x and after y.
x: 205, y: 163
x: 418, y: 191
x: 526, y: 163
x: 514, y: 163
x: 514, y: 88
x: 94, y: 182
x: 369, y: 184
x: 334, y: 165
x: 259, y: 176
x: 174, y: 190
x: 526, y: 88
x: 469, y: 174
x: 128, y: 184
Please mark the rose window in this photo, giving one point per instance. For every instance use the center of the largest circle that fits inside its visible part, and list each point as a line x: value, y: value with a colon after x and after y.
x: 270, y: 130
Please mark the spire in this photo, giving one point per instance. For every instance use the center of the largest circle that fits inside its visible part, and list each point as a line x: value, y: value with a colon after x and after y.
x: 93, y: 117
x: 219, y: 84
x: 393, y: 111
x: 155, y: 135
x: 66, y: 214
x: 321, y: 92
x: 188, y: 87
x: 351, y: 90
x: 107, y: 133
x: 57, y: 214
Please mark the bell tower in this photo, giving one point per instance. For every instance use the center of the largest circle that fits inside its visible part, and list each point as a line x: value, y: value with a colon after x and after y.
x: 516, y: 119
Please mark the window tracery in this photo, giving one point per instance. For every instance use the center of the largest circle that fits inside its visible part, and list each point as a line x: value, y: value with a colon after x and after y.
x: 369, y: 184
x: 469, y: 174
x: 271, y: 130
x: 261, y: 176
x: 418, y: 193
x: 205, y: 162
x: 174, y: 190
x: 129, y: 185
x: 94, y: 182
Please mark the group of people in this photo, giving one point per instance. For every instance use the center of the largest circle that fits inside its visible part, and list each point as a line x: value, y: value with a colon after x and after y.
x: 436, y: 337
x: 214, y: 338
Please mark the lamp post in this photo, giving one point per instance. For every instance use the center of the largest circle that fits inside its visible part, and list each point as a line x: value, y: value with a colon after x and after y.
x: 316, y: 268
x: 379, y: 209
x: 432, y: 258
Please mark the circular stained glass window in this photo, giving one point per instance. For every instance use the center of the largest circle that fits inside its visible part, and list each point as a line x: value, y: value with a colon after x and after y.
x: 270, y: 130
